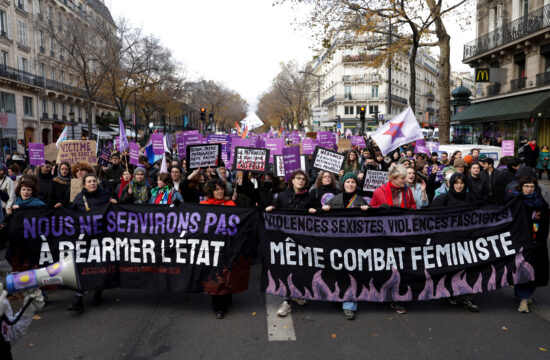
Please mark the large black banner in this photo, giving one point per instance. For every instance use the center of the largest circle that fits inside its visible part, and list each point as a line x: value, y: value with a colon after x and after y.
x: 195, y: 248
x: 395, y: 254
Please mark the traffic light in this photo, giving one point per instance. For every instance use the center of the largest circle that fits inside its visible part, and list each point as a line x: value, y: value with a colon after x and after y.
x: 21, y: 142
x: 203, y: 114
x: 362, y: 111
x: 211, y: 117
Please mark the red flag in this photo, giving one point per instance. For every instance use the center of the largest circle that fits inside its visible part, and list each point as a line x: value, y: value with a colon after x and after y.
x: 245, y: 132
x: 239, y: 131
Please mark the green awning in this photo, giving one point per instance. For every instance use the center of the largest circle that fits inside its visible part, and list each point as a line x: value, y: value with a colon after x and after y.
x: 517, y: 107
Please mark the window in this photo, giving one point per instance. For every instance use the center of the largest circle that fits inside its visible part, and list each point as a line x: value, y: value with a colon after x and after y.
x: 374, y: 91
x: 373, y: 109
x: 54, y: 107
x: 4, y: 23
x: 22, y: 4
x: 49, y: 13
x: 53, y: 74
x: 5, y: 59
x: 23, y: 64
x: 7, y: 102
x: 62, y: 77
x: 64, y: 109
x: 348, y: 110
x: 27, y: 106
x: 22, y: 27
x: 41, y: 38
x: 52, y: 45
x: 347, y: 92
x: 39, y: 7
x: 43, y: 70
x: 45, y: 106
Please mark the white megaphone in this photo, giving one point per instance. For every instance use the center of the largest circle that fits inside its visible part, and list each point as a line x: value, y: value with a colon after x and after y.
x: 62, y: 273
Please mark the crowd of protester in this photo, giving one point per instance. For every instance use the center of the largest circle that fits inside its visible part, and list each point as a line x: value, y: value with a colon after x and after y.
x: 412, y: 183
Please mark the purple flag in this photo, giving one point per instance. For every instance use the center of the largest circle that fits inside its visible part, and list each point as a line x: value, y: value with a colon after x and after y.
x: 291, y: 160
x: 36, y: 154
x: 123, y: 143
x: 432, y: 146
x: 134, y: 153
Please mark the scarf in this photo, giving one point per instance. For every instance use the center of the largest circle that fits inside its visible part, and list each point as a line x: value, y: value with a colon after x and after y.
x: 395, y: 195
x: 532, y: 146
x: 123, y: 184
x: 139, y: 191
x: 533, y: 200
x: 350, y: 198
x: 162, y: 195
x: 61, y: 180
x: 32, y: 201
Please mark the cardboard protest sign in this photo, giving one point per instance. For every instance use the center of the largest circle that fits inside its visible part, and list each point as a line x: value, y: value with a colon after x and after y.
x: 104, y: 157
x: 250, y: 159
x: 374, y: 179
x: 203, y: 156
x: 134, y: 153
x: 328, y: 160
x: 278, y: 166
x: 291, y: 160
x: 76, y: 188
x: 73, y: 151
x: 312, y: 135
x: 344, y: 144
x: 304, y: 163
x: 36, y: 154
x: 50, y: 152
x: 157, y: 141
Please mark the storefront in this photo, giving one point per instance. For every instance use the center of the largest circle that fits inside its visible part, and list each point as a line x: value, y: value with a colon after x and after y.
x: 510, y: 118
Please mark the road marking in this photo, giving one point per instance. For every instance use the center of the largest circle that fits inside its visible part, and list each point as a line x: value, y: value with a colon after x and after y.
x: 278, y: 328
x: 538, y: 308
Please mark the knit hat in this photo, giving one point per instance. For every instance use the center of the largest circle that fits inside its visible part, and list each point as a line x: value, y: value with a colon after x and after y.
x: 3, y: 167
x: 349, y: 175
x: 402, y: 159
x: 459, y: 162
x: 138, y: 169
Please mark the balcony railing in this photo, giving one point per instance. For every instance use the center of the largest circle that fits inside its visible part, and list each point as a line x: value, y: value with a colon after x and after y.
x: 494, y: 89
x: 371, y: 78
x: 363, y: 97
x: 518, y: 84
x: 430, y: 96
x: 543, y: 79
x: 399, y: 99
x: 509, y: 32
x: 18, y: 75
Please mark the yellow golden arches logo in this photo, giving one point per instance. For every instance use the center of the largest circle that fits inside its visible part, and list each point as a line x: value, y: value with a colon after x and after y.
x: 482, y: 75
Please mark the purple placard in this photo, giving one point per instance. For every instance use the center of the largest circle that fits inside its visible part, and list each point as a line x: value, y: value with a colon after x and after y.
x: 420, y: 147
x: 275, y: 147
x: 433, y: 146
x: 357, y: 140
x: 291, y: 160
x: 439, y: 175
x: 36, y: 154
x: 325, y: 139
x: 134, y: 153
x: 180, y: 143
x: 158, y: 144
x: 295, y: 138
x: 507, y: 148
x: 308, y: 146
x: 104, y: 157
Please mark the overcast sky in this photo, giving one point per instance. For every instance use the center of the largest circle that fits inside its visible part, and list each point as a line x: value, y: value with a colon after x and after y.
x: 239, y: 42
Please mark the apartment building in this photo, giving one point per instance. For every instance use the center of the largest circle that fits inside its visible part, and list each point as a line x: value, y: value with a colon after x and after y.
x: 514, y: 36
x: 39, y: 95
x: 347, y: 84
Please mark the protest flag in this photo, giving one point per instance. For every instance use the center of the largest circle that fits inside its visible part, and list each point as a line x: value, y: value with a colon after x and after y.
x: 245, y: 132
x: 239, y: 131
x: 280, y: 131
x: 163, y: 166
x: 62, y: 137
x: 401, y: 130
x: 123, y: 141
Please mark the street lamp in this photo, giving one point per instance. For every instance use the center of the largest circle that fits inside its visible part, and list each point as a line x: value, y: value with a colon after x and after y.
x: 71, y: 117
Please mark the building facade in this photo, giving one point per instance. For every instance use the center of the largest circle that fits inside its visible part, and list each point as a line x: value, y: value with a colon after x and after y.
x: 38, y: 93
x: 347, y: 84
x: 513, y: 36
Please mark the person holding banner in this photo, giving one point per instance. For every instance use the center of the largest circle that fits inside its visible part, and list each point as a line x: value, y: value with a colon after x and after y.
x: 125, y: 179
x: 529, y: 193
x: 164, y: 193
x: 60, y: 186
x: 295, y: 197
x: 137, y: 191
x: 348, y: 199
x: 324, y: 189
x: 215, y: 191
x: 456, y: 196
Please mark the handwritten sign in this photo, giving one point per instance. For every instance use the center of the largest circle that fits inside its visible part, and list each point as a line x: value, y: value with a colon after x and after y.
x: 104, y: 157
x: 278, y: 166
x: 328, y: 160
x: 76, y: 188
x: 73, y: 151
x: 203, y: 156
x: 50, y: 152
x: 344, y: 144
x: 36, y: 154
x: 250, y: 159
x: 374, y: 179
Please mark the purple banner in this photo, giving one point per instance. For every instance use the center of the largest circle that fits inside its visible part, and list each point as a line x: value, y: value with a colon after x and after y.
x: 325, y: 139
x: 295, y: 138
x: 291, y: 160
x: 275, y: 147
x: 308, y: 146
x: 157, y: 141
x: 359, y: 141
x: 180, y: 143
x: 507, y: 148
x: 36, y: 154
x: 134, y: 153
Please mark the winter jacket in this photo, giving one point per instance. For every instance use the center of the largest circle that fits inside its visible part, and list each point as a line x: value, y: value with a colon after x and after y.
x: 319, y: 194
x: 58, y: 192
x: 478, y: 187
x: 543, y: 162
x: 382, y: 196
x: 289, y: 200
x: 95, y: 199
x: 7, y: 185
x: 337, y: 202
x: 44, y: 181
x: 530, y: 155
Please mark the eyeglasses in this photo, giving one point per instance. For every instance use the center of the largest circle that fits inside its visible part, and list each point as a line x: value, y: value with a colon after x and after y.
x: 529, y: 186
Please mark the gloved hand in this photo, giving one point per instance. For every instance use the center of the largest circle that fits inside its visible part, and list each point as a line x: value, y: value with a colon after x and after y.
x: 3, y: 300
x: 36, y: 298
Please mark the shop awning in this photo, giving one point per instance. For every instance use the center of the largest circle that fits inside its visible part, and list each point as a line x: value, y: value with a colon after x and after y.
x: 518, y: 107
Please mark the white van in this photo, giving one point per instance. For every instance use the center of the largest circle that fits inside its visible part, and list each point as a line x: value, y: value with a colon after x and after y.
x: 492, y: 152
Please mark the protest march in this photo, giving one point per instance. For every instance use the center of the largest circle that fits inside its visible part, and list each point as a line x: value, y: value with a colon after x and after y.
x: 328, y: 218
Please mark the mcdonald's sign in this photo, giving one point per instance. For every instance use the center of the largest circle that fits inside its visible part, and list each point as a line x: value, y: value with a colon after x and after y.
x: 482, y: 75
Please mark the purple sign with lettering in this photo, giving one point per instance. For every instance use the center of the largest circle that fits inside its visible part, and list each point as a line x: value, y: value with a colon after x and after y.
x: 291, y: 160
x: 157, y: 141
x: 134, y: 153
x: 421, y: 148
x: 325, y: 139
x: 359, y: 141
x: 275, y: 147
x: 308, y: 146
x: 295, y: 138
x: 36, y: 154
x: 432, y: 146
x: 507, y: 148
x: 180, y: 143
x: 104, y: 157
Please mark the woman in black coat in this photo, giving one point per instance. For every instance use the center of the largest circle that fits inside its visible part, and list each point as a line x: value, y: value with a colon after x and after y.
x: 529, y: 193
x: 326, y: 187
x: 60, y: 186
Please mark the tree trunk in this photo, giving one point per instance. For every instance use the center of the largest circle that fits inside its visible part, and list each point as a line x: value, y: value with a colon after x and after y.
x: 89, y: 121
x: 412, y: 81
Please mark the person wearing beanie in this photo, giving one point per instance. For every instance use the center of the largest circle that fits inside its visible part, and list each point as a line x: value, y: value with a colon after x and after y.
x: 348, y: 199
x: 137, y: 191
x: 460, y: 166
